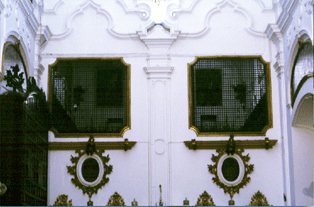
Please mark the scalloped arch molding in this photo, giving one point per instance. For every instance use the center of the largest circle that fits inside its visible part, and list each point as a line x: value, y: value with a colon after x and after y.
x: 81, y: 10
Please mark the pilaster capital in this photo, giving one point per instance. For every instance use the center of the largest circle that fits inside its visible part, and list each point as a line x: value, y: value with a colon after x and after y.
x: 274, y: 34
x: 43, y: 34
x: 158, y: 72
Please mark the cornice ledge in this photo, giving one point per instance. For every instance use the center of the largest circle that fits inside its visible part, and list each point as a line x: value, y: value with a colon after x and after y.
x: 274, y: 34
x: 158, y: 72
x: 43, y: 34
x: 122, y: 145
x: 244, y: 144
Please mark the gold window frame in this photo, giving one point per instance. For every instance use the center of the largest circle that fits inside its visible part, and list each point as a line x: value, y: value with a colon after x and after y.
x: 269, y: 100
x: 128, y: 100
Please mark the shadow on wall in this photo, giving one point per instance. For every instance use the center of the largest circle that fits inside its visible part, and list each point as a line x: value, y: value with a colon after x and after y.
x: 309, y: 191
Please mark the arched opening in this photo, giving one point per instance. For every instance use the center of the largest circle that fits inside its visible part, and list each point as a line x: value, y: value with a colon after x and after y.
x: 303, y: 150
x: 12, y: 57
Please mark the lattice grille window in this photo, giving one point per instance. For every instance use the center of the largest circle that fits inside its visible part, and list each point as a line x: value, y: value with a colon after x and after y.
x: 90, y: 96
x: 229, y: 95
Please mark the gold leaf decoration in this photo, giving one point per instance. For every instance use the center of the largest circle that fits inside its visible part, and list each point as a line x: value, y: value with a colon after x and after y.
x: 205, y: 200
x: 87, y: 189
x: 62, y: 200
x: 231, y: 190
x: 258, y: 199
x: 116, y: 200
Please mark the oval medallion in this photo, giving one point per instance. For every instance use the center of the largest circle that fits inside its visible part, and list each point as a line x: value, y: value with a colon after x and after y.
x: 90, y: 170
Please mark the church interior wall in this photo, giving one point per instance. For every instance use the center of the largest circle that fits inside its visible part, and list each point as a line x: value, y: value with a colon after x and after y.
x: 160, y: 104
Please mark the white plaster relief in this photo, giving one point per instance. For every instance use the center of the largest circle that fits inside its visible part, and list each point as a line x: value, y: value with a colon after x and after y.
x: 44, y: 34
x: 142, y: 9
x: 175, y: 9
x: 16, y: 7
x: 8, y: 9
x: 32, y: 24
x: 80, y: 10
x: 55, y: 8
x: 159, y: 146
x: 2, y: 7
x: 236, y: 9
x: 289, y: 37
x: 26, y: 7
x: 97, y: 7
x: 308, y: 6
x: 158, y: 72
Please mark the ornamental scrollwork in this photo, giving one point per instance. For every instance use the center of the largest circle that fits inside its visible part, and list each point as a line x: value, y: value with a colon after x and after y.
x: 88, y: 189
x: 259, y: 199
x: 205, y: 200
x: 62, y: 200
x: 116, y: 200
x: 247, y: 169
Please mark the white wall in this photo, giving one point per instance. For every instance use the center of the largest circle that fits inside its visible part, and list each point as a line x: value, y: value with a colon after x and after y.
x: 159, y: 100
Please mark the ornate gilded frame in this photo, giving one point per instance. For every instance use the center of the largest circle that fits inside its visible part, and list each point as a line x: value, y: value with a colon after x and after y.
x: 231, y: 189
x: 269, y: 100
x: 72, y: 170
x: 259, y: 199
x: 295, y: 91
x: 128, y: 94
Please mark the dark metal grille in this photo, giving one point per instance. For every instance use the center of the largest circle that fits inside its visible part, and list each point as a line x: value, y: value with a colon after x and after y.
x: 89, y: 96
x: 229, y: 95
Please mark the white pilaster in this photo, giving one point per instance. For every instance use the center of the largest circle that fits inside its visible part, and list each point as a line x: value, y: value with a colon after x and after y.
x: 275, y: 35
x: 159, y: 72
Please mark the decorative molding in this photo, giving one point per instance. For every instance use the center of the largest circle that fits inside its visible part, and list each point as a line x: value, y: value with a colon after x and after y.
x: 54, y: 9
x: 258, y: 199
x: 244, y: 144
x: 32, y: 23
x: 8, y: 9
x: 279, y: 65
x: 286, y: 15
x: 26, y: 7
x: 116, y: 200
x: 220, y: 6
x: 142, y: 9
x: 274, y: 33
x: 175, y: 10
x: 43, y: 34
x: 73, y: 170
x: 2, y: 7
x: 123, y: 145
x: 158, y: 37
x: 158, y: 72
x: 205, y: 200
x: 80, y: 10
x: 62, y: 200
x: 243, y: 181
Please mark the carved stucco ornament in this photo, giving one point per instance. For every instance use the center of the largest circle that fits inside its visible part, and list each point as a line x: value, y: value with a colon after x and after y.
x: 62, y: 200
x: 90, y: 188
x: 258, y: 199
x: 205, y: 200
x: 231, y: 187
x: 116, y: 200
